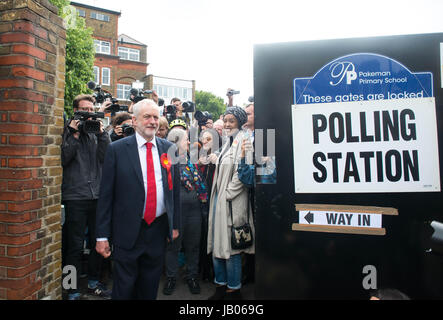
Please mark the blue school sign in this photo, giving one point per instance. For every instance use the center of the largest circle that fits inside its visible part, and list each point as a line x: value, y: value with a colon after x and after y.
x: 365, y: 105
x: 362, y: 77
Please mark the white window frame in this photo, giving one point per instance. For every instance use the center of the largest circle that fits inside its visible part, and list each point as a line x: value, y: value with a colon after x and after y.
x: 100, y: 46
x: 96, y: 71
x: 81, y: 13
x: 125, y: 54
x: 124, y: 89
x: 108, y: 83
x: 99, y: 16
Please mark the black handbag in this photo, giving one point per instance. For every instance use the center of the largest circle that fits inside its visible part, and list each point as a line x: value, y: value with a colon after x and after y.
x: 241, y: 237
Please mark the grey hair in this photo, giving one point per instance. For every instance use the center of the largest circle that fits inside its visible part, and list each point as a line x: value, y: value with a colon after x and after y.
x: 176, y: 135
x: 136, y: 107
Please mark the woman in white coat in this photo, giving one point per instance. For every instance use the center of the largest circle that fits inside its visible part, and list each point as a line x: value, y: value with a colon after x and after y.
x: 227, y: 187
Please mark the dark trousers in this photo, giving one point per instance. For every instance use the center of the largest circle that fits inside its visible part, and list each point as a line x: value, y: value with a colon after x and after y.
x: 80, y: 214
x: 137, y: 271
x: 206, y: 267
x: 189, y: 239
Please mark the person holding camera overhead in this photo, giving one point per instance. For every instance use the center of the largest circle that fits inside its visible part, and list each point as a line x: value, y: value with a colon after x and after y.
x: 83, y: 150
x: 122, y: 125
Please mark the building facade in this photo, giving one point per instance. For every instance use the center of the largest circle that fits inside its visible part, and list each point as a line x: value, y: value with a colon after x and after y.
x: 119, y: 59
x: 168, y: 88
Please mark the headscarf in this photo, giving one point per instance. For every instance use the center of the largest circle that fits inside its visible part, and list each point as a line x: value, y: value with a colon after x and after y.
x: 239, y: 114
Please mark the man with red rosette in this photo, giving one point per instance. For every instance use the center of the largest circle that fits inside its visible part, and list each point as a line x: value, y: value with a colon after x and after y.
x: 139, y: 206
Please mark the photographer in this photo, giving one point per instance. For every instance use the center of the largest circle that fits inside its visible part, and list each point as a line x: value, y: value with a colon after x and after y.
x: 83, y: 149
x: 122, y: 125
x: 178, y: 108
x: 204, y: 120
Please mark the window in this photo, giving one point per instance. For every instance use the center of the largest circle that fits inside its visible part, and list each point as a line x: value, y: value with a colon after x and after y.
x: 102, y: 47
x: 185, y: 94
x: 106, y: 76
x: 99, y: 16
x: 81, y: 13
x: 96, y: 71
x: 129, y: 54
x: 123, y: 91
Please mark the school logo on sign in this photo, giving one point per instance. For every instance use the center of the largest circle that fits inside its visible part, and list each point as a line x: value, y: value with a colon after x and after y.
x: 342, y: 70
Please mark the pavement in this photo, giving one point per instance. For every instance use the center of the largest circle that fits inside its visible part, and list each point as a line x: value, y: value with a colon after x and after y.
x: 181, y: 291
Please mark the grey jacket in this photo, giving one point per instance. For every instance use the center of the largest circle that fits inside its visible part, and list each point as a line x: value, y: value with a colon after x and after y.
x: 227, y: 186
x: 82, y: 161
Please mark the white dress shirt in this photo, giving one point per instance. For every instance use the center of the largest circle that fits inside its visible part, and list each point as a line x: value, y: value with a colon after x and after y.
x: 141, y: 144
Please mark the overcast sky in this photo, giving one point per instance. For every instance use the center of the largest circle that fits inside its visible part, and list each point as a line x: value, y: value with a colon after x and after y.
x: 211, y: 41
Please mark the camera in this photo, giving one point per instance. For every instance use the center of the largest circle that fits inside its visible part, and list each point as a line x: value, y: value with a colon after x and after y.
x: 188, y: 106
x: 115, y: 107
x: 232, y: 92
x: 136, y: 95
x: 101, y: 95
x: 202, y: 117
x: 127, y: 129
x: 171, y: 112
x: 86, y: 125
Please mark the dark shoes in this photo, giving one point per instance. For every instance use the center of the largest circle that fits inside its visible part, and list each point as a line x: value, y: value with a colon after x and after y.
x: 220, y: 292
x: 193, y: 286
x: 100, y: 290
x: 169, y: 286
x: 233, y: 295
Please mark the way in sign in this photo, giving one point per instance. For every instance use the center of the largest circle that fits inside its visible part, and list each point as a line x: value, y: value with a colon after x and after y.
x: 349, y: 219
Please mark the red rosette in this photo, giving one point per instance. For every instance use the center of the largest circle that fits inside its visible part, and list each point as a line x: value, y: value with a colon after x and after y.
x: 167, y: 164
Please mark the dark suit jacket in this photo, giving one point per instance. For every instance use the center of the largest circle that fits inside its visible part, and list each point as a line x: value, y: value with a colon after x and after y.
x: 122, y: 194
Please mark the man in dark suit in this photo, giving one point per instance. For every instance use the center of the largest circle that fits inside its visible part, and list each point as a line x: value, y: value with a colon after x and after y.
x: 139, y: 206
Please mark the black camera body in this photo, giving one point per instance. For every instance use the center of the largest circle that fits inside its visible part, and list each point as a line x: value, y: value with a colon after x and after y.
x: 115, y: 107
x: 127, y: 129
x: 86, y: 125
x: 136, y: 95
x: 202, y: 117
x: 171, y: 112
x: 101, y: 95
x: 188, y: 106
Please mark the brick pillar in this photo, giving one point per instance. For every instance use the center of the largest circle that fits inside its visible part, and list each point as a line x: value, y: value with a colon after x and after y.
x: 32, y: 66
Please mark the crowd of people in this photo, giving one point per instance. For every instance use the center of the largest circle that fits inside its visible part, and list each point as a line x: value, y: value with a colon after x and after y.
x: 147, y: 190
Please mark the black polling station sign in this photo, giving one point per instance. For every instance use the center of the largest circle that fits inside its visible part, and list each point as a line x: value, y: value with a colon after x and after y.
x: 358, y: 123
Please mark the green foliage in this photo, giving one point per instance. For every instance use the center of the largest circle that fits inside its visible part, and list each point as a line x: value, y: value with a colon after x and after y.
x: 79, y: 62
x: 60, y: 4
x: 206, y: 101
x: 79, y: 53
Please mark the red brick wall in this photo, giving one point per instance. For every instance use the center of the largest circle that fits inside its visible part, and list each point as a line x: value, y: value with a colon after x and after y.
x: 32, y: 66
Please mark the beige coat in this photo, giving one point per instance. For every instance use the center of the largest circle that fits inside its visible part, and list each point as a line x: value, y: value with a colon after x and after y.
x: 227, y: 186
